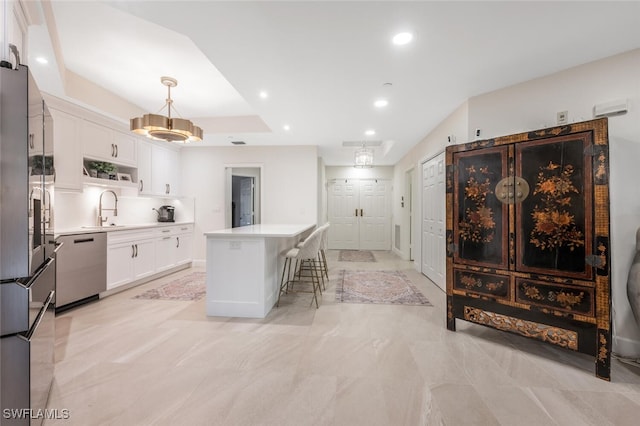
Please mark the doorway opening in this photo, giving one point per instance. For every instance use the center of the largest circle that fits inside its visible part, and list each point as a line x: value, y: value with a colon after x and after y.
x: 243, y: 196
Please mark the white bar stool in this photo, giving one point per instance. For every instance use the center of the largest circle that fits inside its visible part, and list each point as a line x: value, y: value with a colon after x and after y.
x: 306, y: 253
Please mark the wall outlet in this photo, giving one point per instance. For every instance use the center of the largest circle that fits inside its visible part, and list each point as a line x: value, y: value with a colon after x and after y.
x: 562, y: 117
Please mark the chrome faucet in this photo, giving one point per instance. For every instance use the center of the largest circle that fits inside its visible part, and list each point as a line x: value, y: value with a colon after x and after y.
x: 102, y: 220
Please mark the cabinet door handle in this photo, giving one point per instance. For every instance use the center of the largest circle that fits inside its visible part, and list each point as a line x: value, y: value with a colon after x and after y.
x: 136, y: 250
x: 166, y: 238
x: 178, y: 242
x: 113, y: 150
x: 361, y: 212
x: 133, y: 251
x: 356, y: 212
x: 141, y: 185
x: 31, y: 143
x: 116, y: 150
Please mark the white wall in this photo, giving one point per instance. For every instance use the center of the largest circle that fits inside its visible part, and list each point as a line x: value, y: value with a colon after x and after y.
x: 350, y: 172
x: 289, y: 184
x: 76, y: 209
x: 534, y: 104
x: 434, y: 143
x: 322, y: 192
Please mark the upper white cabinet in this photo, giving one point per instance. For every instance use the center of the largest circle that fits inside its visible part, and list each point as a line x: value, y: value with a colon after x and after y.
x: 145, y: 185
x: 165, y: 164
x: 102, y: 143
x: 68, y: 151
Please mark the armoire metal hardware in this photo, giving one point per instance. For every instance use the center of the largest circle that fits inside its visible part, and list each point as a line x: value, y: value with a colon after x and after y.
x: 511, y: 190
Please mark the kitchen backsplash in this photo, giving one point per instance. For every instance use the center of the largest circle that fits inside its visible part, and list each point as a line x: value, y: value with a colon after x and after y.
x: 76, y: 209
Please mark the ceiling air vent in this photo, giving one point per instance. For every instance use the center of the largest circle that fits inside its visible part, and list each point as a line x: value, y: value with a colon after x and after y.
x: 238, y: 142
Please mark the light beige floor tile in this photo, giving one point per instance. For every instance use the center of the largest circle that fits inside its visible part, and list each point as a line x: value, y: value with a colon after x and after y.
x: 134, y: 361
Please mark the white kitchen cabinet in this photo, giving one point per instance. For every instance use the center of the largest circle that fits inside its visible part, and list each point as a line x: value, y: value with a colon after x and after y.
x: 165, y: 168
x: 68, y: 151
x: 125, y: 147
x: 130, y: 257
x: 184, y: 244
x: 165, y: 253
x: 145, y: 185
x: 105, y: 144
x: 173, y: 246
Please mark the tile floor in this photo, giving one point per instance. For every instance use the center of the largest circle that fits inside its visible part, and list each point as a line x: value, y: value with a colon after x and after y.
x: 124, y: 361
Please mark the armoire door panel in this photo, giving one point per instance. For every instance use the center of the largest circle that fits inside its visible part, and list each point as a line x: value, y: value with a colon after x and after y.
x: 555, y: 218
x: 480, y: 221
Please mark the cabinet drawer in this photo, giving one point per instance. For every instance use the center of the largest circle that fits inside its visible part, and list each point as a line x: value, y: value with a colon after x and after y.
x: 482, y: 283
x: 566, y: 298
x: 116, y: 237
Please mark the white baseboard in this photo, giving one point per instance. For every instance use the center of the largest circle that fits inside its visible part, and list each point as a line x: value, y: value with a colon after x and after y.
x: 197, y: 263
x: 626, y: 347
x: 144, y: 280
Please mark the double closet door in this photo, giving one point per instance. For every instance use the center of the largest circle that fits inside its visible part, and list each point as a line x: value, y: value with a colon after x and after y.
x: 360, y: 214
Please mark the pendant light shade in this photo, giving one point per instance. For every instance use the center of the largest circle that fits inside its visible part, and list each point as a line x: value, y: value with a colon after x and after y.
x: 363, y: 158
x: 165, y: 128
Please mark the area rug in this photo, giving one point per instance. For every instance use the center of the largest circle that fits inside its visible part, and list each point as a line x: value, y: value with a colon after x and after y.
x: 189, y: 287
x: 356, y: 256
x: 383, y: 287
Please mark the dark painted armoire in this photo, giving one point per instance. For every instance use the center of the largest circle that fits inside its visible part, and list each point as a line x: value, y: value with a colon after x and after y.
x: 528, y: 236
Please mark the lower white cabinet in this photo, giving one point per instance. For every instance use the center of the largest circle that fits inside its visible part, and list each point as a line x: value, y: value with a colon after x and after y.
x: 130, y: 257
x: 136, y: 254
x: 173, y: 246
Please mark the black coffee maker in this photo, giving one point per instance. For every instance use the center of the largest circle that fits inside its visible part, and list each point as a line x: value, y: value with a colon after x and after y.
x: 166, y: 214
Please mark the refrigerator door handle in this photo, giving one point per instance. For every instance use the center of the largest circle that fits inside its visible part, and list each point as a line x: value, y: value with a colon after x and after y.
x: 37, y: 274
x: 29, y: 334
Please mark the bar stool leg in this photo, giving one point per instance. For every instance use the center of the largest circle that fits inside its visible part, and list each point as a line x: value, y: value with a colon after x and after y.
x: 287, y: 261
x: 315, y: 283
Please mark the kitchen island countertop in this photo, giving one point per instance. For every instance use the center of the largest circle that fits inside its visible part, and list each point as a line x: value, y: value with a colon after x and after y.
x: 261, y: 231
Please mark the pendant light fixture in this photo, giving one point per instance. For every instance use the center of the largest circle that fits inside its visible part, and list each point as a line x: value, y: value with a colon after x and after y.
x: 166, y: 128
x: 364, y: 157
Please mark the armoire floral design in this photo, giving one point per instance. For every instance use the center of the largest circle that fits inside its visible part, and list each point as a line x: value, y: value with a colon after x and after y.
x: 528, y: 236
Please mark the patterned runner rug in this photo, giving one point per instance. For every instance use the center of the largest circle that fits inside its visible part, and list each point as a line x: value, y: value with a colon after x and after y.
x: 356, y: 256
x: 383, y: 287
x: 189, y: 287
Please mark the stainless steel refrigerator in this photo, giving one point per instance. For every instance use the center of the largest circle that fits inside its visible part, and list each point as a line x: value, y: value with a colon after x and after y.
x: 27, y: 249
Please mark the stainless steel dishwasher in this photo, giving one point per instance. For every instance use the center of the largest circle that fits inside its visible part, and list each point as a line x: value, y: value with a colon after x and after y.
x: 81, y: 269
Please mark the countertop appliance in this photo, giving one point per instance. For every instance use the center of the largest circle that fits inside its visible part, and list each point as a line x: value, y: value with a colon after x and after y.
x: 27, y: 262
x: 81, y: 269
x: 166, y: 214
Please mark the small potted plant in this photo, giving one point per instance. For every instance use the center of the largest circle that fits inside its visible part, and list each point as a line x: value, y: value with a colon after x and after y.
x: 103, y: 168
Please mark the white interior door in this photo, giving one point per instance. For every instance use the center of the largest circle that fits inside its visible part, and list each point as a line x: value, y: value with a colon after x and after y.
x: 359, y: 213
x: 343, y: 203
x: 375, y: 232
x: 433, y: 220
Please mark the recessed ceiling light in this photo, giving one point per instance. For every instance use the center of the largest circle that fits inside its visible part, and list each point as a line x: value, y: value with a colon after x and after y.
x: 381, y: 103
x: 286, y: 127
x: 402, y: 38
x: 42, y: 60
x: 264, y: 95
x: 370, y: 132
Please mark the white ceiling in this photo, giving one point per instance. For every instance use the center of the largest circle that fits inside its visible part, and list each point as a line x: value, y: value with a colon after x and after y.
x: 324, y: 63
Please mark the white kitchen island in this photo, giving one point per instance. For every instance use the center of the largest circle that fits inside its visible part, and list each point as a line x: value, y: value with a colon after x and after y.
x: 244, y: 267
